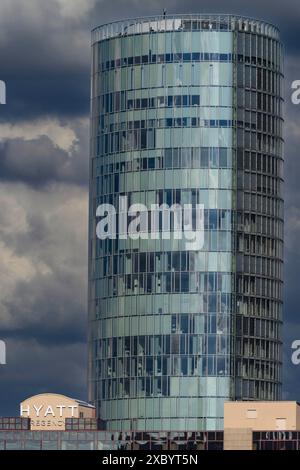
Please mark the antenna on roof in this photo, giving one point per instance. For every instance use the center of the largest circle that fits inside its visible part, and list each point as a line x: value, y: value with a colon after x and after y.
x: 164, y: 12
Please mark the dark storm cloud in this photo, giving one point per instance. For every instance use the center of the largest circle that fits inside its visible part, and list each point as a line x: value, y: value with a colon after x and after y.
x: 51, y: 95
x: 34, y: 368
x: 291, y: 325
x: 45, y: 61
x: 44, y: 58
x: 43, y: 272
x: 61, y: 317
x: 39, y: 162
x: 43, y: 278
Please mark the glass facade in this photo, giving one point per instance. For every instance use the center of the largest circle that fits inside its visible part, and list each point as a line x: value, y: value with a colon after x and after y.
x: 84, y: 434
x: 105, y: 440
x: 14, y: 424
x: 259, y: 218
x: 276, y: 440
x: 93, y: 439
x: 186, y: 110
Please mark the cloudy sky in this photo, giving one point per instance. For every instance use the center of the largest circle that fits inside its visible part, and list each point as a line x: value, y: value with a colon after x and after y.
x: 45, y: 62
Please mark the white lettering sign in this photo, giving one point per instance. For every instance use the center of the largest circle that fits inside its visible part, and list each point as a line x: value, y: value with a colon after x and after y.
x: 46, y: 410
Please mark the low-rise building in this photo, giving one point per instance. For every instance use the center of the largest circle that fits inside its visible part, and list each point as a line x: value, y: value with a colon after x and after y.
x: 49, y: 411
x: 52, y: 421
x: 243, y: 418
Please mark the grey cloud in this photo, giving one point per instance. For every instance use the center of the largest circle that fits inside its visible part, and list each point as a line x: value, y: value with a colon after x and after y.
x: 47, y: 68
x: 39, y: 162
x: 44, y: 263
x: 47, y: 309
x: 43, y: 219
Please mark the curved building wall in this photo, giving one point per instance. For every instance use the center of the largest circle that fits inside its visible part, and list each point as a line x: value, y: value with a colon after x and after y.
x: 166, y: 345
x: 259, y: 217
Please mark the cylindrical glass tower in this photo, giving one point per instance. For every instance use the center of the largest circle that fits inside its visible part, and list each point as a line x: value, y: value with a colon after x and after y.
x: 186, y: 110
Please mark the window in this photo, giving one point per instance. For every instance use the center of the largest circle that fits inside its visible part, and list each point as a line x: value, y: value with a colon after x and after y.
x: 251, y: 414
x: 280, y: 424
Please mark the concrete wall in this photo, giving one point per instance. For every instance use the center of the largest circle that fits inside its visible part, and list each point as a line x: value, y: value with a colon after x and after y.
x: 242, y: 418
x: 262, y: 416
x: 237, y: 439
x: 88, y: 412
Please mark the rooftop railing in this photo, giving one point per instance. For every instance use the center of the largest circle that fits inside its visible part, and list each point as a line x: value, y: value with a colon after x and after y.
x: 190, y: 22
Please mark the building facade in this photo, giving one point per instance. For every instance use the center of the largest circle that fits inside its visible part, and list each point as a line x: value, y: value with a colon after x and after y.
x: 85, y: 434
x: 248, y: 425
x: 186, y: 110
x: 49, y: 411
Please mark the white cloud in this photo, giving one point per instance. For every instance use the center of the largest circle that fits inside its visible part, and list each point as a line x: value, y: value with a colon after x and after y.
x: 43, y: 246
x: 75, y: 8
x: 63, y: 136
x: 13, y: 269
